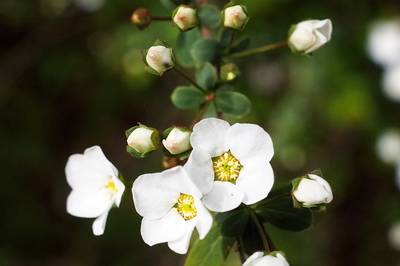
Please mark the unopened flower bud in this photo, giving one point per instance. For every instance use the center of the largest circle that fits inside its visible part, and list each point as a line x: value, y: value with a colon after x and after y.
x: 234, y: 17
x: 141, y: 17
x: 229, y: 72
x: 142, y: 140
x: 312, y: 190
x: 177, y: 141
x: 184, y: 17
x: 309, y: 35
x: 159, y: 58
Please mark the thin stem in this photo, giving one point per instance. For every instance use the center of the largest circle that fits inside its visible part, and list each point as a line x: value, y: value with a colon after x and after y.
x: 261, y: 231
x: 241, y: 250
x: 201, y: 113
x: 276, y: 198
x: 161, y: 18
x: 189, y: 79
x: 260, y: 50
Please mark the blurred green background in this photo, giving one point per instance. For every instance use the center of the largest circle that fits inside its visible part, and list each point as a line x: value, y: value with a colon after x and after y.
x: 71, y: 77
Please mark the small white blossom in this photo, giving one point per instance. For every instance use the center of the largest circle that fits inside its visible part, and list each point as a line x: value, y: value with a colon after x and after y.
x: 140, y: 140
x: 185, y: 18
x: 177, y: 141
x: 95, y: 187
x: 384, y: 43
x: 235, y: 17
x: 239, y: 156
x: 313, y: 190
x: 309, y: 35
x: 160, y: 58
x: 388, y: 146
x: 391, y: 82
x: 259, y: 259
x: 171, y: 206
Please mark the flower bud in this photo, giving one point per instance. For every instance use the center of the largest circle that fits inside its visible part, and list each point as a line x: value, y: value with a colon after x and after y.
x: 234, y: 17
x: 184, y: 17
x: 312, y: 190
x: 142, y: 140
x: 177, y: 141
x: 141, y: 17
x: 229, y: 72
x: 309, y: 35
x: 159, y: 58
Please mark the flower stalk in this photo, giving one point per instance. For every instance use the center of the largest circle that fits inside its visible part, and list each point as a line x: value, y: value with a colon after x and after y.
x: 260, y: 50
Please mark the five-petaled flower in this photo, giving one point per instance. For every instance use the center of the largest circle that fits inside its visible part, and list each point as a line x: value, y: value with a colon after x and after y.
x: 259, y: 259
x: 95, y: 187
x: 171, y: 206
x: 309, y: 35
x: 240, y: 156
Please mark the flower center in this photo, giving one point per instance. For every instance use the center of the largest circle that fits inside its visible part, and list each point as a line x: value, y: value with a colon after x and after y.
x: 109, y: 186
x: 186, y: 207
x: 226, y: 167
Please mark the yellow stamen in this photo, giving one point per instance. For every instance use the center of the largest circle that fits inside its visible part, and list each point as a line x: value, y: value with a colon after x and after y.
x: 226, y: 167
x: 186, y: 207
x: 109, y: 185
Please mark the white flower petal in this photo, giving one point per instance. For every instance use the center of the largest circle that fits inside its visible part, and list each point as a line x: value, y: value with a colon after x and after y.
x: 224, y: 196
x: 247, y: 141
x: 181, y: 244
x: 204, y: 219
x: 151, y: 198
x: 87, y: 204
x: 209, y: 134
x: 100, y: 224
x: 120, y: 190
x: 256, y: 179
x: 91, y: 167
x: 250, y: 260
x: 168, y: 228
x: 200, y: 169
x: 325, y: 184
x: 177, y: 179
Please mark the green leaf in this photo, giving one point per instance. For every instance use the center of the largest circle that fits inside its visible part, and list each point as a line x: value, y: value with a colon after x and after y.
x: 251, y: 239
x: 233, y: 103
x: 225, y: 37
x: 187, y: 97
x: 211, y: 111
x: 206, y: 76
x: 204, y: 50
x: 240, y: 44
x: 282, y: 214
x: 209, y: 16
x: 183, y: 45
x: 212, y: 250
x: 233, y: 223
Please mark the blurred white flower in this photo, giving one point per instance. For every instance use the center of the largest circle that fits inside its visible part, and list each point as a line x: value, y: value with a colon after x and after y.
x: 259, y: 259
x: 89, y: 5
x: 309, y: 35
x: 391, y: 82
x: 394, y: 235
x: 171, y: 206
x: 95, y: 187
x: 240, y: 156
x: 384, y: 43
x: 313, y: 190
x: 388, y: 146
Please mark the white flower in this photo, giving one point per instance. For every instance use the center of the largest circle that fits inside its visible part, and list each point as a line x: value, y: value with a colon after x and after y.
x: 388, y: 146
x: 240, y: 157
x: 160, y: 58
x: 309, y: 35
x: 171, y: 208
x: 234, y: 17
x: 313, y: 190
x: 384, y: 43
x: 185, y: 17
x: 177, y: 141
x: 258, y: 259
x: 140, y: 139
x: 95, y: 187
x: 391, y: 82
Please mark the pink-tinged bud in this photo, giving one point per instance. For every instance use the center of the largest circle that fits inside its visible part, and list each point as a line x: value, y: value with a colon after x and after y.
x: 235, y: 17
x: 177, y: 141
x: 184, y: 17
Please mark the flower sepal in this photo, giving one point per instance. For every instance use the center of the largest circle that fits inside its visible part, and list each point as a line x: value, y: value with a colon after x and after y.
x: 142, y: 140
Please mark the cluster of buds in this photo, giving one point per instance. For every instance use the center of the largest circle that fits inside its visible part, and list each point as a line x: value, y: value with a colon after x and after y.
x: 143, y: 140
